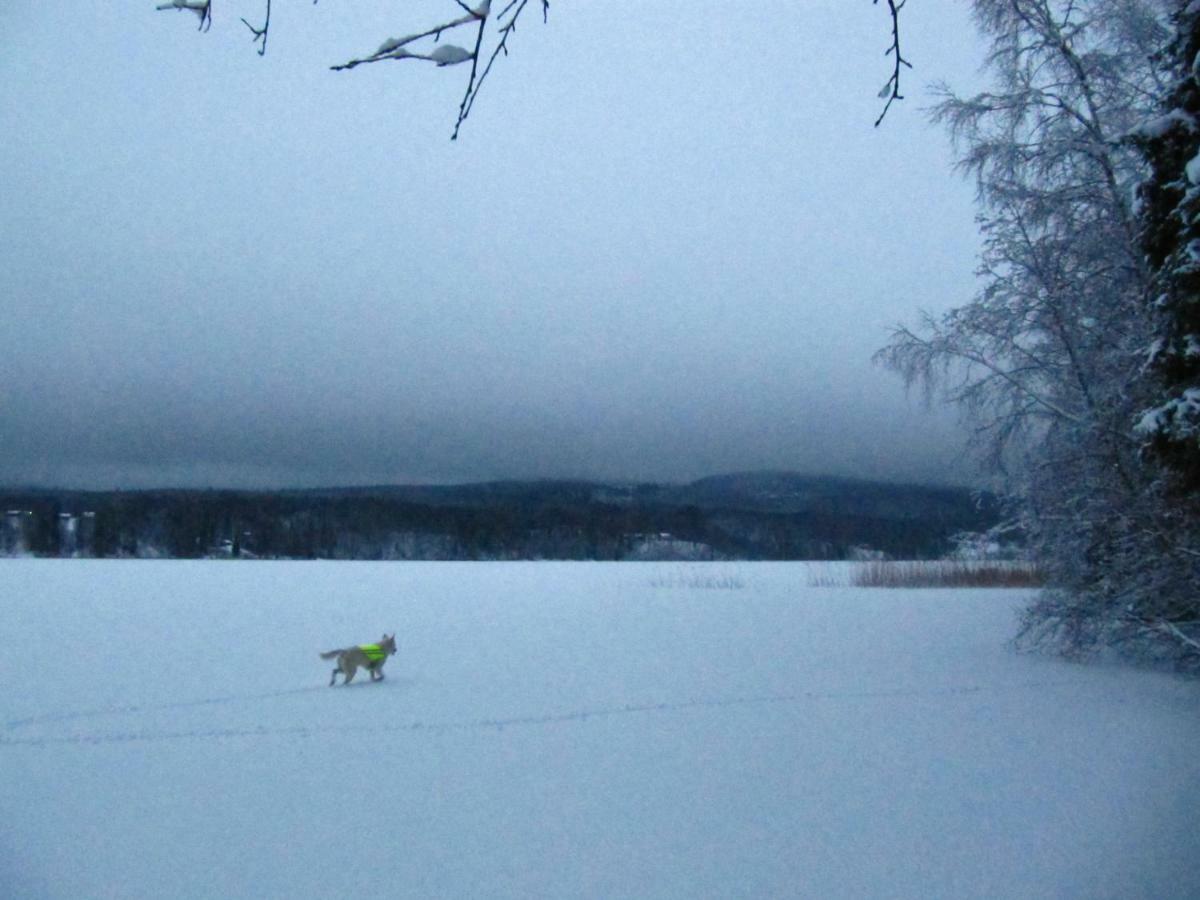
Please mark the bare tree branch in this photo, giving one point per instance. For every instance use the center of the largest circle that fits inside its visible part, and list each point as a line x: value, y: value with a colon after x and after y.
x: 506, y: 25
x: 506, y: 30
x: 260, y: 34
x: 891, y: 88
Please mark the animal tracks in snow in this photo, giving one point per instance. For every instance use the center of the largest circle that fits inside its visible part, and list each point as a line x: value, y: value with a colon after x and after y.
x: 12, y: 735
x: 133, y: 709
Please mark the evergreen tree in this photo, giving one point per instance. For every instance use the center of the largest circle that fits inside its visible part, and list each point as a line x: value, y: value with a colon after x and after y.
x: 1171, y: 238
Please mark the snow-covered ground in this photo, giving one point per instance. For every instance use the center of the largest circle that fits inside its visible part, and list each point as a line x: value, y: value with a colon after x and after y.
x: 569, y: 730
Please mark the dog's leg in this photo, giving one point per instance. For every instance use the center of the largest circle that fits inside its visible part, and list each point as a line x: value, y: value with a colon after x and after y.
x: 333, y: 677
x: 349, y: 672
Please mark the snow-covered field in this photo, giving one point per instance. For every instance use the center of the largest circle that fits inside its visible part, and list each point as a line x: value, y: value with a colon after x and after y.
x: 569, y: 730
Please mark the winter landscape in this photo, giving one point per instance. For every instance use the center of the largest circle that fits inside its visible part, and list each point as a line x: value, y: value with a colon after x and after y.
x: 571, y: 730
x: 603, y: 394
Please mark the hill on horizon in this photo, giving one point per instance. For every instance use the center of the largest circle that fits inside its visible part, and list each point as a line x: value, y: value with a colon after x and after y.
x: 765, y: 515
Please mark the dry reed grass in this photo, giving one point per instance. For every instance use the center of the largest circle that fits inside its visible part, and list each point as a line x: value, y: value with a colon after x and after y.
x: 947, y: 573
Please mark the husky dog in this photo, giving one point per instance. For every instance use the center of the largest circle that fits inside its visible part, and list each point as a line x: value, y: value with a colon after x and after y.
x: 370, y: 656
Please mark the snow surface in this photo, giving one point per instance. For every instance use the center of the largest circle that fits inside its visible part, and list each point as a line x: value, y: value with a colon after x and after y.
x: 570, y: 730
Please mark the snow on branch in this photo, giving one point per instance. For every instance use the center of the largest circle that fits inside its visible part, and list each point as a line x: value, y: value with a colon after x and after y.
x: 397, y: 48
x: 202, y: 8
x: 489, y: 47
x: 407, y: 47
x: 422, y: 45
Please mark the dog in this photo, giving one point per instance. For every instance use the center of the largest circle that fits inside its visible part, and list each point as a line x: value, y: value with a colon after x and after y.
x: 370, y: 656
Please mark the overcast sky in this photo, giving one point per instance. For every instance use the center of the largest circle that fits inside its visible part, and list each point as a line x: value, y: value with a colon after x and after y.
x: 665, y: 246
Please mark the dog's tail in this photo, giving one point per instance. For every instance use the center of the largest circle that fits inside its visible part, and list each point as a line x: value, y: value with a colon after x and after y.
x: 331, y: 654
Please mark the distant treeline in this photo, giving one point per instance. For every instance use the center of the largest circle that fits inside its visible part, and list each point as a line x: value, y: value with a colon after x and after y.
x: 773, y: 516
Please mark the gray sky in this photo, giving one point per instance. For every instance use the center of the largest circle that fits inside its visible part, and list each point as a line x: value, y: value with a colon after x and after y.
x: 665, y: 246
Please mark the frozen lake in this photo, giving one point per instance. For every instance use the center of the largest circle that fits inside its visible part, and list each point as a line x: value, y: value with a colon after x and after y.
x: 570, y: 730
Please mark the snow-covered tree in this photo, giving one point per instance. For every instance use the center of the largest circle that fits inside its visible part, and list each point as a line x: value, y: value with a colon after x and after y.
x: 1171, y: 239
x: 1048, y: 359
